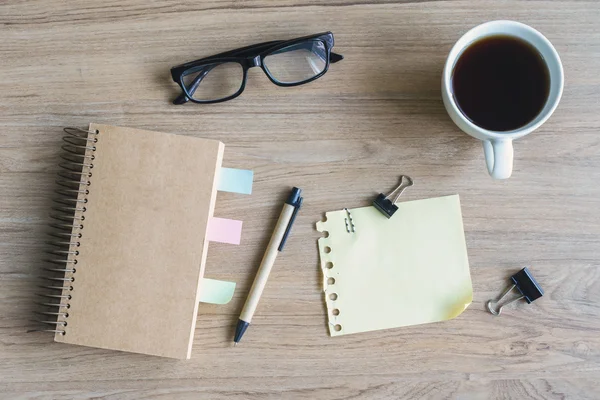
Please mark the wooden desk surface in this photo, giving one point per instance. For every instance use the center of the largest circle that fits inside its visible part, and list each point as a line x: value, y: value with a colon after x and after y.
x: 342, y: 139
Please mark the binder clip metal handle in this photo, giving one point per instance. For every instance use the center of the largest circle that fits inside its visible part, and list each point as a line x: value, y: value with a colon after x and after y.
x: 498, y: 311
x: 388, y: 207
x: 525, y: 283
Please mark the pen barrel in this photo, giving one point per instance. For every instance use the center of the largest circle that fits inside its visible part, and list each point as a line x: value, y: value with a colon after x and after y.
x: 266, y: 264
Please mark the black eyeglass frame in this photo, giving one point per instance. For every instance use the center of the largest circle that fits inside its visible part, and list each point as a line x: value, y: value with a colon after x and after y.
x: 249, y: 57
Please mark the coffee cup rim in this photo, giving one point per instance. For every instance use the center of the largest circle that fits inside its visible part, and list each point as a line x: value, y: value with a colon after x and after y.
x: 504, y: 28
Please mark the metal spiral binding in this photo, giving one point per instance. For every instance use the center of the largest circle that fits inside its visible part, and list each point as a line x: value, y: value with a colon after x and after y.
x: 68, y: 215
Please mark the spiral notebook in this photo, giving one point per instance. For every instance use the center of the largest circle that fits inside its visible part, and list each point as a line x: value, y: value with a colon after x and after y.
x: 134, y: 230
x: 381, y: 273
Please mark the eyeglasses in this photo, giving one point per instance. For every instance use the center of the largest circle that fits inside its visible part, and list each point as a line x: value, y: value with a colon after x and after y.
x: 223, y: 76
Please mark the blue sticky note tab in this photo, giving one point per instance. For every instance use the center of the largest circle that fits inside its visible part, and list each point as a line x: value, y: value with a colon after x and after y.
x: 236, y: 180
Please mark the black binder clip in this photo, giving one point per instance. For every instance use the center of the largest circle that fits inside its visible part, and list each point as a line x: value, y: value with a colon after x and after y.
x: 383, y: 202
x: 525, y: 283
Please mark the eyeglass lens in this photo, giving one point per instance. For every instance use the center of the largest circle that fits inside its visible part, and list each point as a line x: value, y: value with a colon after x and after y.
x: 298, y: 62
x: 214, y: 81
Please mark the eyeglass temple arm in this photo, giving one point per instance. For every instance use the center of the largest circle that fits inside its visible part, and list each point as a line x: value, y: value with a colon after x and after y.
x: 250, y: 50
x: 242, y: 51
x: 335, y: 57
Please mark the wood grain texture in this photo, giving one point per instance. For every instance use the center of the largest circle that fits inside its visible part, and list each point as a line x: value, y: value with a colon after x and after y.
x: 342, y: 139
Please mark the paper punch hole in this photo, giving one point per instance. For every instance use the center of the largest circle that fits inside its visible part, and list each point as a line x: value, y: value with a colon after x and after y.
x: 525, y: 284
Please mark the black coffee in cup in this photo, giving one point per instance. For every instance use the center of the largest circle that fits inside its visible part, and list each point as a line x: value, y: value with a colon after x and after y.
x: 500, y: 83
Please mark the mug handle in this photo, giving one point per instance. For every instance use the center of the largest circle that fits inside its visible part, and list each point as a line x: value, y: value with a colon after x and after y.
x: 498, y: 157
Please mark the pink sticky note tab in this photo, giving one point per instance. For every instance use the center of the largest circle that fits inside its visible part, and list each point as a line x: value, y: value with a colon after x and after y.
x: 224, y: 230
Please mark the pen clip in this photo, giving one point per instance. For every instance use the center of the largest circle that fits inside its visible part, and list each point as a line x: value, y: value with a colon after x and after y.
x: 289, y: 227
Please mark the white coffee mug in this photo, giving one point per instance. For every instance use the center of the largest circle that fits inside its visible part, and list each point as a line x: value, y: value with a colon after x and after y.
x: 497, y: 146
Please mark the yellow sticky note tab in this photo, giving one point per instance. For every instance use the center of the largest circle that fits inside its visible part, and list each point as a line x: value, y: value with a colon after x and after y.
x: 407, y: 270
x: 216, y: 292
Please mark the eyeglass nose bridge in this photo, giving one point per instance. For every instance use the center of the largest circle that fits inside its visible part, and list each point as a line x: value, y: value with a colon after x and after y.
x: 254, y: 62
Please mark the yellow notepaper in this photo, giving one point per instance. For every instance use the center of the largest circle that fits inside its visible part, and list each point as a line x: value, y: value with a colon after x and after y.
x: 407, y: 270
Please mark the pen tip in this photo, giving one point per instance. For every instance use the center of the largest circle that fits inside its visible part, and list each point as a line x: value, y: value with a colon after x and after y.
x: 234, y: 344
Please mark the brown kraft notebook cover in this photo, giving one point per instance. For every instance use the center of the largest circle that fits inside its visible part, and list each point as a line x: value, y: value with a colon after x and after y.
x: 143, y: 242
